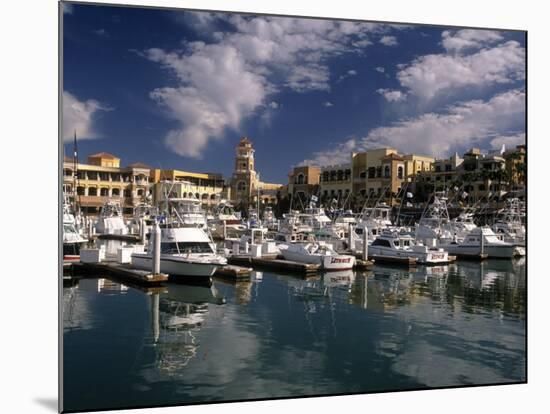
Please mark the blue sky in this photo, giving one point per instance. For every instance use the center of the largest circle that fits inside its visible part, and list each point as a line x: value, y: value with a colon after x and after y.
x: 176, y: 89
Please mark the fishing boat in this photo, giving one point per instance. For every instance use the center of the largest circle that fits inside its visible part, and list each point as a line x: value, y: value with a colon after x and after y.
x: 395, y: 245
x: 269, y: 219
x: 481, y: 240
x: 225, y: 222
x: 185, y: 251
x: 110, y: 220
x: 318, y: 253
x: 72, y: 240
x: 509, y: 225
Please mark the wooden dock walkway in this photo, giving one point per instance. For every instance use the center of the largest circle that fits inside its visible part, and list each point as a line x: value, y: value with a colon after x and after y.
x: 233, y: 272
x: 397, y: 261
x: 275, y: 264
x: 121, y: 271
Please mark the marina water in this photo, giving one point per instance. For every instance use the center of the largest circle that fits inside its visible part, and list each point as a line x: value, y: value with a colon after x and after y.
x: 283, y: 336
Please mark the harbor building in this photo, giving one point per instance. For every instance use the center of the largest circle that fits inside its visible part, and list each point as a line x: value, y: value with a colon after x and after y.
x: 245, y: 184
x: 335, y: 182
x: 515, y: 160
x: 476, y: 175
x: 377, y: 173
x: 303, y: 182
x: 207, y: 187
x: 102, y: 179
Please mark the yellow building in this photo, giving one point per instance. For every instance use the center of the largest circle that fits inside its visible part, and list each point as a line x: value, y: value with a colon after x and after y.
x: 102, y: 179
x: 303, y: 182
x: 245, y: 185
x: 207, y: 187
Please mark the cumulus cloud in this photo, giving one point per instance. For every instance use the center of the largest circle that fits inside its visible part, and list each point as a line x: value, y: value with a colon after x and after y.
x: 460, y: 40
x: 510, y: 141
x: 380, y: 69
x: 339, y: 154
x: 392, y: 95
x: 388, y: 40
x: 328, y: 104
x: 462, y: 125
x: 471, y: 123
x: 78, y: 116
x: 233, y: 77
x: 430, y: 75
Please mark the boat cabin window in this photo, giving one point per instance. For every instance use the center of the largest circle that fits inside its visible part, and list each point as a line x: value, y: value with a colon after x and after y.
x: 381, y: 242
x: 359, y: 230
x: 396, y: 243
x: 406, y: 243
x: 185, y: 247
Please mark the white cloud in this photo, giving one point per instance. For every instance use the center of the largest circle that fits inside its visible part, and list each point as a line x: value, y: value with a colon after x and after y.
x: 430, y: 75
x: 380, y: 69
x: 457, y: 41
x: 338, y: 154
x: 472, y: 123
x: 462, y: 125
x: 388, y: 41
x: 224, y: 82
x: 392, y: 95
x: 510, y: 141
x: 327, y: 104
x: 273, y: 105
x: 352, y: 72
x: 78, y: 116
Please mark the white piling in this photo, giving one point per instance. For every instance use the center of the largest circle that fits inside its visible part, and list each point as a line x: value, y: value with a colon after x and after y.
x: 224, y: 230
x: 482, y: 241
x: 90, y: 227
x: 156, y: 249
x: 155, y: 320
x: 142, y: 232
x: 365, y: 243
x: 351, y: 239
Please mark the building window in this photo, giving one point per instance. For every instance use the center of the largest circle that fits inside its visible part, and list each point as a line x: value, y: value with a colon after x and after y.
x: 300, y: 179
x: 80, y: 191
x: 325, y: 176
x: 92, y: 175
x: 140, y: 192
x: 363, y: 174
x: 379, y: 172
x: 104, y: 192
x: 127, y: 193
x: 387, y: 171
x: 325, y: 193
x: 104, y: 176
x: 340, y: 175
x: 372, y: 172
x: 448, y: 167
x: 437, y: 168
x: 481, y: 187
x: 241, y: 186
x: 92, y: 191
x: 400, y: 172
x: 115, y: 192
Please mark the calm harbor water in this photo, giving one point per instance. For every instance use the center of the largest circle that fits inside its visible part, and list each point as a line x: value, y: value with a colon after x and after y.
x: 280, y: 336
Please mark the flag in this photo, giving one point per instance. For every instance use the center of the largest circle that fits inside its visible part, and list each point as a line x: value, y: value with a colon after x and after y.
x: 409, y: 204
x: 464, y: 194
x: 314, y: 198
x: 409, y: 195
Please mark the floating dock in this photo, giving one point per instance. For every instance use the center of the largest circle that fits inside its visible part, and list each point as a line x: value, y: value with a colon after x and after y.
x: 275, y: 264
x: 233, y: 272
x: 398, y: 261
x: 120, y: 271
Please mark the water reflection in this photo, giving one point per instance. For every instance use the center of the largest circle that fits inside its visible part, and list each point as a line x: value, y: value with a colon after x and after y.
x: 280, y: 335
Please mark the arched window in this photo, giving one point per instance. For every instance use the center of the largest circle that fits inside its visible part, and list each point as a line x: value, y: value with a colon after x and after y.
x: 400, y: 172
x: 80, y: 190
x: 300, y: 179
x: 104, y: 192
x: 386, y: 171
x: 92, y: 191
x: 115, y: 192
x: 205, y: 196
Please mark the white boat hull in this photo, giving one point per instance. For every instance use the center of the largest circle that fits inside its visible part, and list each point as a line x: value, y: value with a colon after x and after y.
x: 430, y: 257
x: 338, y: 262
x: 175, y: 266
x: 499, y: 252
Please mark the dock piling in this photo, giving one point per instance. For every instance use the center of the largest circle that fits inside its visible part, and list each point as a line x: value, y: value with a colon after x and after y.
x: 365, y: 243
x: 156, y: 249
x: 351, y: 239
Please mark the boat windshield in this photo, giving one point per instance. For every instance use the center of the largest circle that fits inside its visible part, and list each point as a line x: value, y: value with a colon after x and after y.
x: 186, y: 247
